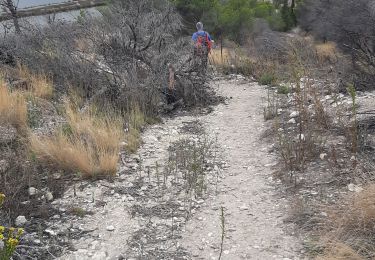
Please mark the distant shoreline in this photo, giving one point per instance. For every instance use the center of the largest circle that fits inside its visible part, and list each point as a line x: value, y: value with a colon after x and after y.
x: 54, y: 8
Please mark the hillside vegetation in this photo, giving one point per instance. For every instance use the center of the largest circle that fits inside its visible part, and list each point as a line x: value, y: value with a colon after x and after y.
x: 75, y: 98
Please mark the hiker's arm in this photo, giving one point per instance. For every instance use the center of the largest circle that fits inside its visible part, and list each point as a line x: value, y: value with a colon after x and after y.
x: 210, y: 38
x: 194, y: 37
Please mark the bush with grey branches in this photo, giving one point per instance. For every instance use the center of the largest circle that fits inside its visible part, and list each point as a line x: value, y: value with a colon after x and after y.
x: 351, y: 25
x: 120, y: 55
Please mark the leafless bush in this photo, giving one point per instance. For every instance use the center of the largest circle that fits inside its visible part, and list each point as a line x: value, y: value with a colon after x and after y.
x: 350, y: 24
x: 269, y: 44
x: 121, y: 55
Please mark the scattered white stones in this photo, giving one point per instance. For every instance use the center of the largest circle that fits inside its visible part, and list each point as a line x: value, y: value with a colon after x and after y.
x: 20, y: 221
x: 292, y: 121
x: 110, y: 228
x: 323, y: 156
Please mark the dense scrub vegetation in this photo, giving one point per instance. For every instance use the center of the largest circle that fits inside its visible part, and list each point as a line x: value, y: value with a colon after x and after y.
x: 73, y: 96
x: 234, y: 19
x: 349, y: 24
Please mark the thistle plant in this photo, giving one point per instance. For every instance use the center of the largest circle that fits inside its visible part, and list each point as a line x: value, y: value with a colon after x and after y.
x: 9, y: 238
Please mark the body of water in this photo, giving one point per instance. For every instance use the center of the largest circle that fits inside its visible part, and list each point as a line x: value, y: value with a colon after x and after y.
x: 43, y: 19
x: 31, y: 3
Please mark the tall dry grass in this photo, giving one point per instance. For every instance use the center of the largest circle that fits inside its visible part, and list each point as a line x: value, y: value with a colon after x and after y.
x: 232, y: 61
x: 340, y: 251
x: 327, y: 52
x: 351, y: 228
x: 38, y: 84
x: 89, y: 144
x: 136, y: 120
x: 219, y: 59
x: 13, y: 107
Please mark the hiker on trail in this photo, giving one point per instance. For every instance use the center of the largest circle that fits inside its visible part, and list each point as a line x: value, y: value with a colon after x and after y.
x: 202, y: 43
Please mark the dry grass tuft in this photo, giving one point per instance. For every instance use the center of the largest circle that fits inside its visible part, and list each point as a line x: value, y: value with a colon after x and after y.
x: 38, y: 84
x: 88, y: 144
x: 136, y: 120
x: 359, y: 215
x: 219, y: 60
x: 13, y: 107
x: 340, y: 251
x: 327, y: 52
x: 232, y: 61
x: 351, y: 228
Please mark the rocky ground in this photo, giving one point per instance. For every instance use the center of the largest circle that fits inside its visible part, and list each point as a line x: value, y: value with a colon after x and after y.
x: 154, y: 209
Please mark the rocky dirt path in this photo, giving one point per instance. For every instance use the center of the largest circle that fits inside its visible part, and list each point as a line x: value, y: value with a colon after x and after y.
x: 254, y: 213
x: 146, y: 213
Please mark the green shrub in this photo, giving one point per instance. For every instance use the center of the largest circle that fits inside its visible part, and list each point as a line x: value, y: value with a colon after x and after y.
x: 267, y: 79
x: 283, y: 89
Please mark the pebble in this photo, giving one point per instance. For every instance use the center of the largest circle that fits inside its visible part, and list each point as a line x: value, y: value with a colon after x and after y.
x: 110, y: 228
x: 50, y: 232
x: 57, y: 176
x: 32, y: 191
x: 294, y: 114
x: 244, y: 207
x: 95, y: 245
x: 20, y: 221
x: 49, y: 196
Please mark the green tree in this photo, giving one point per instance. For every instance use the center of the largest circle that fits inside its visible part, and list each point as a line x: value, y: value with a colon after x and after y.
x: 234, y: 18
x: 194, y: 11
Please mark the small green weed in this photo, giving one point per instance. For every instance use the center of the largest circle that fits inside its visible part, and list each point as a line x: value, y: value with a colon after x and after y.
x: 267, y: 79
x: 283, y: 89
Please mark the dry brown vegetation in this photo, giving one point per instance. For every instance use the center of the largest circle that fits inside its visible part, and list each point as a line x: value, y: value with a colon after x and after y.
x: 350, y: 228
x: 235, y: 61
x: 327, y: 52
x: 319, y: 148
x: 339, y: 251
x: 88, y: 144
x: 37, y: 83
x: 136, y: 120
x: 13, y: 108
